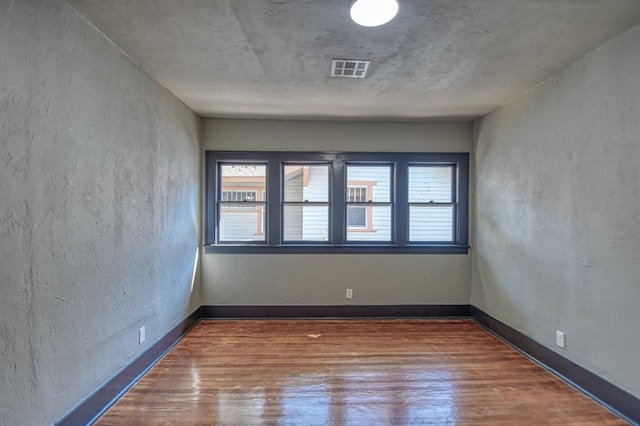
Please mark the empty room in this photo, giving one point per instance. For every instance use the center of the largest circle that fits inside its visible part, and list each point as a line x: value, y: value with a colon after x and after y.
x: 336, y: 212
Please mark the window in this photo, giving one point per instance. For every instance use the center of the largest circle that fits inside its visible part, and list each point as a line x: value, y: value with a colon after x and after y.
x: 241, y: 214
x: 239, y: 195
x: 305, y: 214
x: 431, y: 203
x: 369, y: 202
x: 356, y: 214
x: 283, y: 202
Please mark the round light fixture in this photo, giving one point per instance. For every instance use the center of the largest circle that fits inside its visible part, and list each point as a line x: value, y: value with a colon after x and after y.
x: 371, y: 13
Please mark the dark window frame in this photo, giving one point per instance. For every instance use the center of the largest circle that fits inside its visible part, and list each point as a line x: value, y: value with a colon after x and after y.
x: 337, y: 213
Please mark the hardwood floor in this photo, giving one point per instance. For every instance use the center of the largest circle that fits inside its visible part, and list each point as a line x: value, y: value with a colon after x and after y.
x: 350, y: 372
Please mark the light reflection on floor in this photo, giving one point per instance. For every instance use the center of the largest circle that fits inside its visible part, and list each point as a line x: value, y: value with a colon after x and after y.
x: 341, y: 399
x: 306, y: 397
x: 240, y: 407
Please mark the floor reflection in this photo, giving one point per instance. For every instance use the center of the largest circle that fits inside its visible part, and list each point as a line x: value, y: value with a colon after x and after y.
x: 196, y: 381
x: 306, y: 397
x: 349, y: 397
x: 437, y: 402
x: 240, y: 406
x: 423, y: 395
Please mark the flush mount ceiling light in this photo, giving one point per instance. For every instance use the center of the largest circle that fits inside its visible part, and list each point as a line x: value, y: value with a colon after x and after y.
x: 371, y: 13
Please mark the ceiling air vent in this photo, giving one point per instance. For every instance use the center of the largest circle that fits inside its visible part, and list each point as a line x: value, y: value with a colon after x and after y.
x: 349, y: 68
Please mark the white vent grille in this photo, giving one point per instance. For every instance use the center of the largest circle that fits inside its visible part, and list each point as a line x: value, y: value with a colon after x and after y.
x: 349, y: 68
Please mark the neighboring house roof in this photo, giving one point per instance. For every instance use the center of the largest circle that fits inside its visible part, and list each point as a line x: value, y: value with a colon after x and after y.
x: 293, y: 171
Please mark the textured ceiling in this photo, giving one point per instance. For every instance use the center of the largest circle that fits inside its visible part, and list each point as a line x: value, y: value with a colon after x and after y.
x: 437, y: 59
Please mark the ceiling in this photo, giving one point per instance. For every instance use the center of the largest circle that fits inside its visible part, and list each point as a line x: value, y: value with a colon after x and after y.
x: 438, y: 59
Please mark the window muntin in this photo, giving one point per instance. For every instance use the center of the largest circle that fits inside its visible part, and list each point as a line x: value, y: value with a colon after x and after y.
x: 241, y: 214
x: 369, y: 209
x: 305, y: 209
x: 416, y: 221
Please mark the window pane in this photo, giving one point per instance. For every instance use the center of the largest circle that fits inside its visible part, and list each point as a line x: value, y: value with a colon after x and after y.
x: 376, y: 180
x: 430, y: 184
x: 306, y: 182
x: 430, y: 223
x: 242, y: 222
x: 306, y: 222
x: 377, y: 221
x: 242, y: 194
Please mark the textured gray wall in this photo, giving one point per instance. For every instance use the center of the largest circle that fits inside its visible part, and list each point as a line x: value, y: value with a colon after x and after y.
x: 304, y: 279
x: 558, y: 212
x: 99, y: 210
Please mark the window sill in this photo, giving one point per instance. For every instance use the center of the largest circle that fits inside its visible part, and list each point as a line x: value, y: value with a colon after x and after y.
x: 345, y: 249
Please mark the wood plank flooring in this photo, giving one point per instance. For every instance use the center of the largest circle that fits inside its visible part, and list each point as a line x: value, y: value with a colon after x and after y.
x: 350, y: 372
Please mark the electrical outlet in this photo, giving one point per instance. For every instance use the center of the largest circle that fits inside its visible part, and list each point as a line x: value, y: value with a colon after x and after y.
x: 142, y: 335
x: 560, y: 339
x: 349, y: 293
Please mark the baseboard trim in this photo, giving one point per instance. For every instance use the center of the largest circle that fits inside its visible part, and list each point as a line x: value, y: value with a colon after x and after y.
x: 334, y: 311
x: 88, y: 411
x: 618, y: 400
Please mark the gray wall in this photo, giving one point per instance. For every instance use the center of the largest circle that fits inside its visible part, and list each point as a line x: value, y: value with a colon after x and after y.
x: 272, y: 279
x: 558, y: 212
x: 99, y: 210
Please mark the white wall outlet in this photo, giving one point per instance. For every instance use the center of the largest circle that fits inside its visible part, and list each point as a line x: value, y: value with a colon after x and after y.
x: 142, y: 335
x: 560, y: 338
x: 349, y: 293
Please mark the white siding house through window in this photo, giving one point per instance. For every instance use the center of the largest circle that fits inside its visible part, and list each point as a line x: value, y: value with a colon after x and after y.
x: 431, y: 200
x: 428, y: 220
x: 377, y: 181
x: 242, y: 207
x: 316, y: 218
